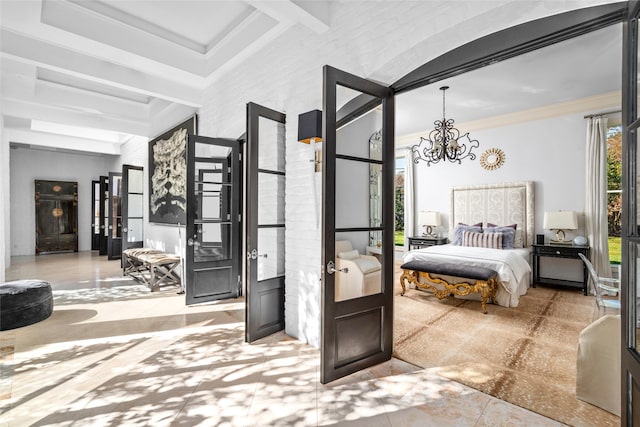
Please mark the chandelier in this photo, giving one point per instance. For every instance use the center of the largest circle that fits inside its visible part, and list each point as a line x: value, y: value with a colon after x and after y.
x: 444, y: 142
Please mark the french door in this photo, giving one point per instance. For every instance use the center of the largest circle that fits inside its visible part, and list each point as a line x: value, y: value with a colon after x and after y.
x: 114, y: 226
x: 213, y: 242
x: 132, y: 208
x: 630, y: 221
x: 104, y: 215
x: 265, y: 227
x: 357, y: 212
x: 95, y: 215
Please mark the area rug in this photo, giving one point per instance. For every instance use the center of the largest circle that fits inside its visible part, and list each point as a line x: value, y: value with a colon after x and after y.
x: 524, y: 355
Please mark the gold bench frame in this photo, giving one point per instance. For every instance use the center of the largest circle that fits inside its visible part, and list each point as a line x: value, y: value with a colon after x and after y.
x: 486, y: 288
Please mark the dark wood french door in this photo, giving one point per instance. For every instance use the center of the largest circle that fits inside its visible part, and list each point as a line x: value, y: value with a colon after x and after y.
x: 630, y: 221
x: 357, y: 212
x: 114, y: 225
x: 132, y: 208
x: 213, y: 253
x: 265, y: 227
x: 95, y: 215
x: 104, y: 216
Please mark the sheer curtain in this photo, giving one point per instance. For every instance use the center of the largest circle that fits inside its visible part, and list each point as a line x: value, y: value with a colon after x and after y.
x: 408, y: 197
x: 596, y: 197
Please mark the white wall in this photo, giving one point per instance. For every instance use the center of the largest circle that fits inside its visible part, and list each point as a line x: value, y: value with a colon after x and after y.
x: 549, y: 152
x: 5, y: 226
x: 27, y: 165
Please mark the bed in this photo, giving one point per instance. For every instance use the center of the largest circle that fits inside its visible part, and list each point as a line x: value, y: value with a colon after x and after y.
x: 504, y: 204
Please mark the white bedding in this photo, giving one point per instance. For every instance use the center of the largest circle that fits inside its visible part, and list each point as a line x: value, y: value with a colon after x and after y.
x: 512, y: 266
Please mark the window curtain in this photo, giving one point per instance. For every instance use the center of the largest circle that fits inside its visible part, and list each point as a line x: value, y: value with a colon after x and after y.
x: 596, y: 222
x: 409, y: 220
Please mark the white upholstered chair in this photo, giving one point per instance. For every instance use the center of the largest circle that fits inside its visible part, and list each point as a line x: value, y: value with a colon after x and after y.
x: 598, y: 364
x: 363, y: 276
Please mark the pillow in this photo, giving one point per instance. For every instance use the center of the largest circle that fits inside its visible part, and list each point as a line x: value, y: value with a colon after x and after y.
x: 482, y: 240
x: 461, y: 228
x: 508, y: 238
x: 352, y: 254
x: 514, y: 226
x: 518, y: 243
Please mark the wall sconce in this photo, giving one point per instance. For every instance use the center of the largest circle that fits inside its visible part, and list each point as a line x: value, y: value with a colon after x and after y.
x: 310, y: 132
x: 429, y: 219
x: 560, y: 221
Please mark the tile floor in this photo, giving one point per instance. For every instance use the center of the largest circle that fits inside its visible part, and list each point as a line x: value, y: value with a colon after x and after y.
x: 115, y: 354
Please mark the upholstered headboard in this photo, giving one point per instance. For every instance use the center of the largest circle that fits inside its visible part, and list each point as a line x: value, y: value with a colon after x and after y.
x: 500, y: 204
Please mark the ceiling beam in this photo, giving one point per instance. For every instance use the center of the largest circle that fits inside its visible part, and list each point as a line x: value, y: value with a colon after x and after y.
x: 36, y: 111
x: 48, y: 140
x: 313, y: 15
x: 47, y: 55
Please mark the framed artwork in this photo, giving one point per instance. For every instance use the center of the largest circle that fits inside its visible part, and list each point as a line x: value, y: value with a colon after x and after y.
x: 167, y: 174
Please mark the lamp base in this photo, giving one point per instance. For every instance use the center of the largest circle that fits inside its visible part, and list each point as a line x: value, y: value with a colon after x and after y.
x: 559, y: 240
x: 429, y: 232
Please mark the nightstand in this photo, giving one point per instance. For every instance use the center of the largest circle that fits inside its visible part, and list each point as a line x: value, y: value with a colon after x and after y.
x: 559, y: 251
x: 421, y: 242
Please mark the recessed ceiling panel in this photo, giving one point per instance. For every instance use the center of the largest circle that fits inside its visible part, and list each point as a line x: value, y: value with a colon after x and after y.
x: 200, y: 22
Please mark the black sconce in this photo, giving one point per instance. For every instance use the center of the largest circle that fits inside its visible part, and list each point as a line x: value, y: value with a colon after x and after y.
x: 310, y: 132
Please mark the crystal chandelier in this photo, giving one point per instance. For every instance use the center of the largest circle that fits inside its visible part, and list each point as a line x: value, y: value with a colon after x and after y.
x: 444, y: 142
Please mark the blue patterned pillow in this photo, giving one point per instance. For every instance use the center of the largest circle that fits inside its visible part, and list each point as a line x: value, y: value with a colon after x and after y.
x: 508, y: 235
x: 461, y: 228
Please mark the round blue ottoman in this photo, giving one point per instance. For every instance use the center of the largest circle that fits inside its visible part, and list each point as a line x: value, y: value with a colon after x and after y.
x: 24, y: 302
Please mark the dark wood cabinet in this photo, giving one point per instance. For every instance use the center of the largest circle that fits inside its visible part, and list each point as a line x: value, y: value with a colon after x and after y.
x: 421, y: 242
x: 56, y: 216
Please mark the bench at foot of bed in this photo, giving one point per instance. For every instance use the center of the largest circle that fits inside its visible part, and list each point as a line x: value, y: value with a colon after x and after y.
x: 486, y: 279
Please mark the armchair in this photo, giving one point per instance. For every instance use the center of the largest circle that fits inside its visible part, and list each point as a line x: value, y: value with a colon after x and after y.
x: 363, y: 276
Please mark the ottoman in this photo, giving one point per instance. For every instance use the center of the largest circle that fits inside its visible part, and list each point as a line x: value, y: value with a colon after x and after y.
x: 24, y: 302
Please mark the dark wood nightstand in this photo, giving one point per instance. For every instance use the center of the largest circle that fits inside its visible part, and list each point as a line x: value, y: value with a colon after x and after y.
x: 421, y: 242
x: 559, y: 251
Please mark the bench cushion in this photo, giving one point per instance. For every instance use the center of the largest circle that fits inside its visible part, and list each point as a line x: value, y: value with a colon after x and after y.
x: 451, y: 269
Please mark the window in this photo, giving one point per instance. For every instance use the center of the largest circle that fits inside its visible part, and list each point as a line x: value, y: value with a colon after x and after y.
x: 399, y: 199
x: 614, y: 191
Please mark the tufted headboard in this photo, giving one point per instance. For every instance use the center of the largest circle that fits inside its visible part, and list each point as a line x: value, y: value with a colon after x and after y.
x: 500, y: 204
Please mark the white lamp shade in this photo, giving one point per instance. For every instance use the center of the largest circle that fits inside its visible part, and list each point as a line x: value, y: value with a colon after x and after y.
x: 429, y: 218
x: 561, y: 220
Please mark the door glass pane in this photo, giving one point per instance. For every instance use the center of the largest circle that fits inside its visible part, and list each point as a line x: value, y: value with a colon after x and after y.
x: 116, y: 214
x: 375, y: 195
x: 637, y: 68
x: 135, y: 205
x: 352, y: 194
x: 105, y: 211
x: 213, y: 242
x: 135, y: 181
x: 270, y: 199
x: 358, y: 265
x: 96, y: 208
x: 361, y: 137
x: 634, y: 293
x: 270, y: 252
x: 212, y: 195
x: 134, y: 230
x: 271, y: 136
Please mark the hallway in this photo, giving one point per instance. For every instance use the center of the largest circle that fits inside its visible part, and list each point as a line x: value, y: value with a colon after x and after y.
x: 115, y: 354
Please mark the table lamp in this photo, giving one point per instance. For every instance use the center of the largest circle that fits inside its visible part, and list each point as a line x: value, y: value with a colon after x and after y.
x: 430, y: 220
x: 560, y: 221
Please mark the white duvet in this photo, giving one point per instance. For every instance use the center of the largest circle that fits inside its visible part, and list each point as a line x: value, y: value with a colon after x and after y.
x: 512, y: 266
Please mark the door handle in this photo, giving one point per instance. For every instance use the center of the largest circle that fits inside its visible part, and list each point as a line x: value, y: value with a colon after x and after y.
x: 262, y: 256
x: 331, y: 268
